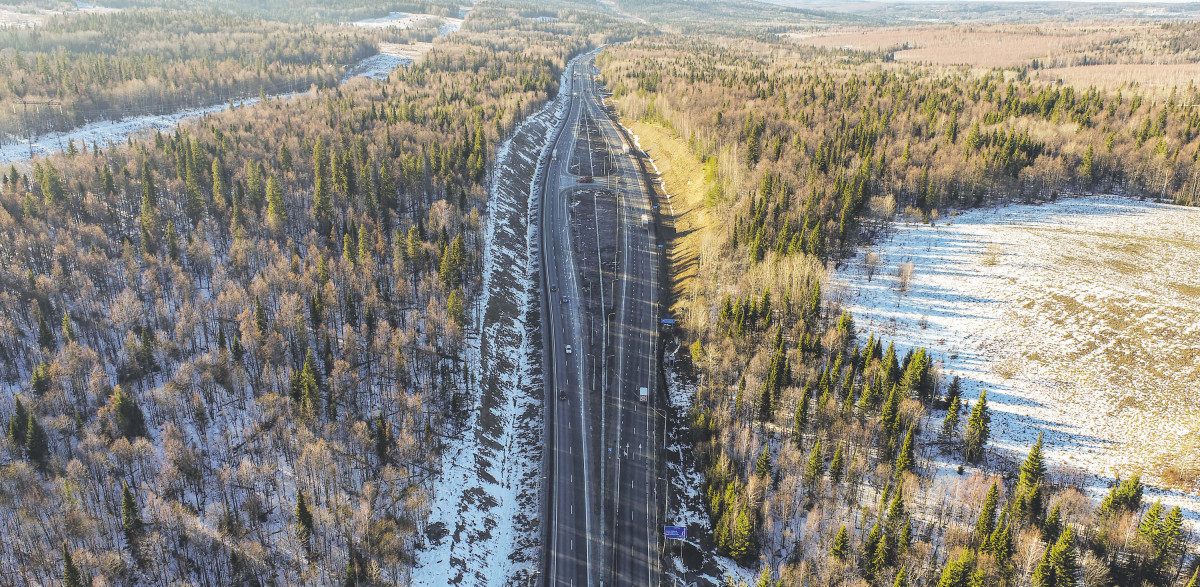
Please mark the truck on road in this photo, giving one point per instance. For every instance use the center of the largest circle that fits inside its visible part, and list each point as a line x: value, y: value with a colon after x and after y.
x: 643, y: 395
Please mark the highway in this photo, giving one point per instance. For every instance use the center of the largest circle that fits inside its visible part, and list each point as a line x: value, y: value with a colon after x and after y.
x: 603, y: 522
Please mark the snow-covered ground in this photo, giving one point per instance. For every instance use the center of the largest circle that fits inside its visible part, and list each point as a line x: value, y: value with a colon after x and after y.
x: 485, y: 519
x: 1080, y: 318
x: 31, y: 17
x: 103, y: 132
x: 402, y: 20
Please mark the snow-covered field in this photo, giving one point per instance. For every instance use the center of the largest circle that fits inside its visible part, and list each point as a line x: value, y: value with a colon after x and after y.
x: 25, y: 17
x: 1080, y: 318
x: 402, y: 20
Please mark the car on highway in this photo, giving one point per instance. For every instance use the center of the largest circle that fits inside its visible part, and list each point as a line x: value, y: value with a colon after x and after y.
x: 565, y: 300
x: 643, y: 395
x: 585, y: 179
x: 554, y: 288
x: 568, y: 349
x: 562, y: 395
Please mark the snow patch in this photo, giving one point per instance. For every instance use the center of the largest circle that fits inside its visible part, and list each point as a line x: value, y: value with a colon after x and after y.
x: 1080, y: 319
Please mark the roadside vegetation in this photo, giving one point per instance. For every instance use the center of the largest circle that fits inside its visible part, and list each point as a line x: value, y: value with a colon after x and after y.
x: 822, y: 459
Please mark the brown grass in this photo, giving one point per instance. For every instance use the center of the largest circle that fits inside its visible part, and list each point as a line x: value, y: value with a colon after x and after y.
x: 978, y: 46
x: 683, y: 179
x: 1115, y: 75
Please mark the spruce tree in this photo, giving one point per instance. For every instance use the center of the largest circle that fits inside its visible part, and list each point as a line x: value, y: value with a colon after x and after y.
x: 800, y: 422
x: 71, y: 576
x: 841, y: 545
x: 950, y: 424
x: 762, y: 467
x: 815, y: 467
x: 18, y: 424
x: 1125, y: 497
x: 39, y: 380
x: 1052, y: 527
x: 45, y: 335
x: 978, y: 429
x: 901, y: 579
x: 1034, y: 467
x: 131, y: 520
x: 837, y: 466
x: 128, y: 417
x: 987, y: 515
x: 304, y: 520
x: 906, y: 460
x: 37, y: 444
x: 68, y: 331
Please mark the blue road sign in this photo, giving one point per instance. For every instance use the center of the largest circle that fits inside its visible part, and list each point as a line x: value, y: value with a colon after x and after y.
x: 675, y: 532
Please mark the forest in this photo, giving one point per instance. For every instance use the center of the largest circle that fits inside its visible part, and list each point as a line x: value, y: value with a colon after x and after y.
x: 234, y: 349
x: 821, y: 447
x: 113, y: 65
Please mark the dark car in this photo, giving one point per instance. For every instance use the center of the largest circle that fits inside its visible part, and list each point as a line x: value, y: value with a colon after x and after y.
x: 554, y: 288
x: 562, y: 395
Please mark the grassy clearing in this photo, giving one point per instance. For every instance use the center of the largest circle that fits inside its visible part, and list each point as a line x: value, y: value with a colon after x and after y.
x: 683, y: 178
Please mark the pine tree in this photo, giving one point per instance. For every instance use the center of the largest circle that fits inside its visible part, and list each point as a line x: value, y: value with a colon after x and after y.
x: 841, y: 545
x: 987, y: 515
x: 1193, y: 581
x: 71, y: 576
x: 37, y: 444
x: 978, y: 429
x: 901, y: 579
x: 906, y: 460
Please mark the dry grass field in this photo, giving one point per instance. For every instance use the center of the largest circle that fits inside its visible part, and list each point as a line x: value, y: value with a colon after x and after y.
x: 1109, y: 55
x: 683, y: 179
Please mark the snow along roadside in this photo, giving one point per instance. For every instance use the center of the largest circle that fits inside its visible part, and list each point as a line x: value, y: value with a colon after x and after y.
x: 484, y: 525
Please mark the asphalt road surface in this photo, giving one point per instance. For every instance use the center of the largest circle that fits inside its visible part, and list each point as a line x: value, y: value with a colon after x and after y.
x: 602, y: 504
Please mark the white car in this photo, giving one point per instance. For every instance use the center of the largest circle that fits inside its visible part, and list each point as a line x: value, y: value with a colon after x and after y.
x: 568, y: 349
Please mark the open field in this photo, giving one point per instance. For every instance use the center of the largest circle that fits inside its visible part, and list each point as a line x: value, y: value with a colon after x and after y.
x: 979, y: 46
x: 1108, y: 55
x: 1080, y: 318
